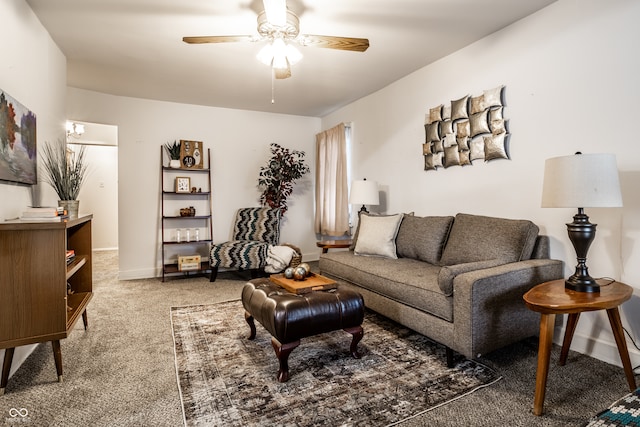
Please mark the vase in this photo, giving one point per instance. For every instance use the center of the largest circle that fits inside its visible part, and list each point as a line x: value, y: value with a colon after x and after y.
x: 71, y: 206
x: 174, y: 164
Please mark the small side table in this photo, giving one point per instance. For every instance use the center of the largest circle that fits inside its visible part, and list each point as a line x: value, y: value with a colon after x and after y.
x: 552, y: 298
x: 333, y: 244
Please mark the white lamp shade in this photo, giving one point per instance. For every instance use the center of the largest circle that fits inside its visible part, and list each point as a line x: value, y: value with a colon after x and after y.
x: 364, y: 193
x: 581, y: 181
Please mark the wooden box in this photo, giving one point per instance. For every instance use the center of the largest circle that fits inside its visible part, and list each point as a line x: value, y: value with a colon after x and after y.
x: 314, y: 282
x: 188, y: 263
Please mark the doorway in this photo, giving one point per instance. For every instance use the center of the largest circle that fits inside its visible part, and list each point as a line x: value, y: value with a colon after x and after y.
x: 99, y: 193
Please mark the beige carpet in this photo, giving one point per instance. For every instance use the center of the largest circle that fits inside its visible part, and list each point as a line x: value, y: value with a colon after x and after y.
x: 121, y: 372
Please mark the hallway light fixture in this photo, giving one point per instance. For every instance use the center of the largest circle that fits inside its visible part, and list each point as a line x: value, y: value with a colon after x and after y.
x: 74, y: 129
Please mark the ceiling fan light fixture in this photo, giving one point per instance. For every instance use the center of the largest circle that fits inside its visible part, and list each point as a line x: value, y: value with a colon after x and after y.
x: 278, y: 54
x: 293, y: 55
x: 266, y: 54
x: 280, y: 63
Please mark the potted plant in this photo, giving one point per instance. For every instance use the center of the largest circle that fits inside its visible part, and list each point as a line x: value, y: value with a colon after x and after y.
x: 65, y: 171
x: 276, y: 179
x: 173, y: 150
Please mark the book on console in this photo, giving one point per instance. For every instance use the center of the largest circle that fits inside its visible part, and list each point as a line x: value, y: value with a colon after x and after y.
x: 43, y: 212
x: 60, y: 218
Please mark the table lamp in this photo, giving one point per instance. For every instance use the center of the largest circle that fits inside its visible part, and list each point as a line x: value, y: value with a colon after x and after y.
x: 364, y: 193
x: 581, y: 181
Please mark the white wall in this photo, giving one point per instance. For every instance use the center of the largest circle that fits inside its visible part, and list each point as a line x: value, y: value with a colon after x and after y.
x: 570, y: 72
x: 99, y: 194
x: 239, y: 142
x: 33, y: 71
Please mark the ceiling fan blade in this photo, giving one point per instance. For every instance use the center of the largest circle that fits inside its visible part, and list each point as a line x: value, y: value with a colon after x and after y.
x: 276, y: 11
x: 219, y: 39
x: 332, y: 42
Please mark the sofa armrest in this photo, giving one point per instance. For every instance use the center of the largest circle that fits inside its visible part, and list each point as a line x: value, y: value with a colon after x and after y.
x: 449, y: 272
x: 488, y: 308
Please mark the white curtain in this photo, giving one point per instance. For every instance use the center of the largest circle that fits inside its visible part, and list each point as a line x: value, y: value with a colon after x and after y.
x: 332, y: 205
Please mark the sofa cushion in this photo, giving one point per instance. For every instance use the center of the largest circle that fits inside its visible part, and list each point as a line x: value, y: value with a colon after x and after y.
x: 408, y: 281
x: 423, y: 238
x: 354, y: 240
x: 480, y: 238
x: 377, y: 235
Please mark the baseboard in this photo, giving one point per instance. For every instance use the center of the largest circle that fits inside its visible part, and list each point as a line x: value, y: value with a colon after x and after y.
x: 606, y: 351
x: 313, y: 256
x: 145, y: 273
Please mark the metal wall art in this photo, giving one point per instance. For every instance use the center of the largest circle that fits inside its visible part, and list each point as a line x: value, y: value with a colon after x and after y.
x: 470, y: 128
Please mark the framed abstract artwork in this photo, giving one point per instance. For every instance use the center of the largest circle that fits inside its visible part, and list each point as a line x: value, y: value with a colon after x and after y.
x: 18, y: 161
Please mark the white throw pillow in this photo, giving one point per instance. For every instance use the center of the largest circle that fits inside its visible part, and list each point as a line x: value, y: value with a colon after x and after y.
x: 377, y: 235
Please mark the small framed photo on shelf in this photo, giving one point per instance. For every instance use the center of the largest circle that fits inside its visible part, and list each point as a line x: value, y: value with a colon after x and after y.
x: 183, y: 184
x: 191, y: 154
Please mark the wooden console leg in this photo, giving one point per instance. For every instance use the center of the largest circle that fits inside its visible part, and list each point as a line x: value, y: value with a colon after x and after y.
x: 572, y: 321
x: 357, y: 333
x: 57, y: 355
x: 85, y: 319
x: 249, y: 318
x: 6, y: 367
x: 282, y: 352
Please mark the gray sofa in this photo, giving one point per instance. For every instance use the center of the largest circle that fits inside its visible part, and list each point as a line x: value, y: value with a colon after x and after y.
x: 458, y: 281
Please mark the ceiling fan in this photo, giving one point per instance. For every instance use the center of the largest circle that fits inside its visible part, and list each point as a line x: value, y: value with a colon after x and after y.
x: 281, y: 27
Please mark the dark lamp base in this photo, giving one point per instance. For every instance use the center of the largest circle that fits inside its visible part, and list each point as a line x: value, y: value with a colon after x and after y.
x: 582, y: 284
x: 581, y: 233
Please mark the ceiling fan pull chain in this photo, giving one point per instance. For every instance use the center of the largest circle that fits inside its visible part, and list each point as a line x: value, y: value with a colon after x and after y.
x: 273, y: 86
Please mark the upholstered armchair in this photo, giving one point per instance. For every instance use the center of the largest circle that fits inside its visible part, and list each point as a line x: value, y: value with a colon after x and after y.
x: 254, y: 230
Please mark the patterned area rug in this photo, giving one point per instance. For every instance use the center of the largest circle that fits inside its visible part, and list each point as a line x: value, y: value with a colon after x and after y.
x: 624, y: 412
x: 225, y: 379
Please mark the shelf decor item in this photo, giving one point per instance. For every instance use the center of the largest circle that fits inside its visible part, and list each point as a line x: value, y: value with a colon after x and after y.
x: 65, y: 170
x: 173, y: 150
x: 276, y: 179
x: 188, y: 262
x: 191, y: 154
x: 183, y: 184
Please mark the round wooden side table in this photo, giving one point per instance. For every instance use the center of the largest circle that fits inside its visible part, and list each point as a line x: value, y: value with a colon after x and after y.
x: 552, y: 298
x: 333, y: 244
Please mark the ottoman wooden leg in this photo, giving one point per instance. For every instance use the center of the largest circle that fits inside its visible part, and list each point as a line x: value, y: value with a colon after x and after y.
x: 249, y: 318
x: 357, y: 333
x: 282, y: 352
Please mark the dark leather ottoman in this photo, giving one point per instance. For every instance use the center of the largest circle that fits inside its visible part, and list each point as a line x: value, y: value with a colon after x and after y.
x: 289, y: 317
